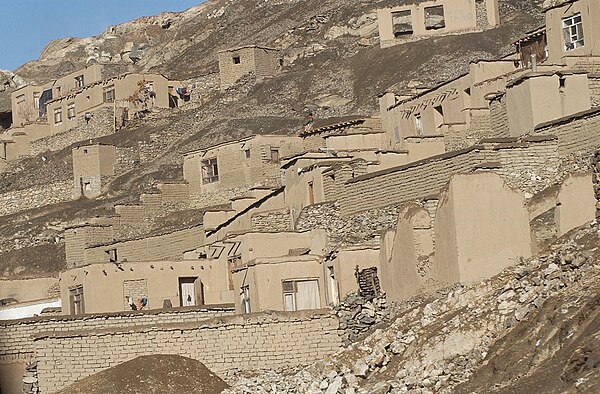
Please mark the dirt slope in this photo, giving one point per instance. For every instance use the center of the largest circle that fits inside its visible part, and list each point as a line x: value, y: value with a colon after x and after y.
x: 164, y: 374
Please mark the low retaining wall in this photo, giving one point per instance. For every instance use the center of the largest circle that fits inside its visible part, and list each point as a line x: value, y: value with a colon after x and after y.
x: 271, y: 340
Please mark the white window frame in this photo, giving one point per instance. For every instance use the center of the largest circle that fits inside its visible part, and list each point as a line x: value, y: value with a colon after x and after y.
x: 71, y: 114
x: 245, y: 299
x: 573, y: 32
x: 57, y: 115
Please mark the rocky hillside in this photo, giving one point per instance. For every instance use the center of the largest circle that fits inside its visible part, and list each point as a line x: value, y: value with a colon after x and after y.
x: 333, y: 63
x: 532, y: 329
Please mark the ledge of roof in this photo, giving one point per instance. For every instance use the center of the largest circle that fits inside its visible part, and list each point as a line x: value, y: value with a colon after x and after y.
x: 568, y: 118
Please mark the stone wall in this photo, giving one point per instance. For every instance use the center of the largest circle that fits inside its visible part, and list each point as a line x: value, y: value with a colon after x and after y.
x: 35, y: 197
x: 596, y: 180
x: 272, y: 221
x: 264, y: 341
x: 346, y: 230
x: 99, y: 126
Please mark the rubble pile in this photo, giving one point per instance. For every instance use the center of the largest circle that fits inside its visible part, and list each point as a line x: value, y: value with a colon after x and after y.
x: 357, y: 314
x: 30, y: 379
x: 438, y: 345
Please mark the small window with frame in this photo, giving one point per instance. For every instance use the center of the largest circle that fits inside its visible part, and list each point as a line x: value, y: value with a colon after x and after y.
x: 573, y: 32
x: 210, y: 170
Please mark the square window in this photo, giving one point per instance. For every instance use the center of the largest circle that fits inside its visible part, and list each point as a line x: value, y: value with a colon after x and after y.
x: 237, y: 60
x: 210, y: 170
x: 402, y: 23
x: 434, y: 18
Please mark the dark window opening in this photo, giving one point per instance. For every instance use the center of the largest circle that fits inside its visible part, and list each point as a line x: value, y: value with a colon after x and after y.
x: 210, y: 171
x: 434, y: 17
x: 562, y: 82
x: 274, y: 155
x: 247, y: 153
x: 112, y: 255
x: 402, y: 23
x: 109, y: 94
x: 77, y: 306
x: 237, y: 60
x: 79, y: 81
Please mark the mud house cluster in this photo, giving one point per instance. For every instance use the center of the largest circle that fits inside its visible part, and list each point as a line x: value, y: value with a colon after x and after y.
x: 442, y: 186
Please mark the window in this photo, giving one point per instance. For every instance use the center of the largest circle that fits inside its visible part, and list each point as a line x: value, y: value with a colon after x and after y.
x: 109, y: 94
x: 419, y: 124
x: 247, y: 153
x: 300, y: 295
x: 77, y: 305
x: 311, y: 193
x: 210, y: 171
x: 236, y: 60
x: 71, y: 111
x: 36, y: 100
x: 87, y: 186
x: 434, y: 18
x: 233, y: 262
x: 573, y: 32
x: 112, y: 255
x: 79, y: 82
x: 58, y: 116
x: 274, y: 155
x: 402, y: 23
x: 245, y: 299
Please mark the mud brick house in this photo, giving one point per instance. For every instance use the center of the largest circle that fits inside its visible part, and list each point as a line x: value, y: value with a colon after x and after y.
x: 72, y: 101
x: 93, y: 165
x: 438, y: 17
x: 234, y: 63
x: 240, y: 164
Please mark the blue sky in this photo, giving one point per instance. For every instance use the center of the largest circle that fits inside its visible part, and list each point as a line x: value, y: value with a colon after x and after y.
x: 26, y: 26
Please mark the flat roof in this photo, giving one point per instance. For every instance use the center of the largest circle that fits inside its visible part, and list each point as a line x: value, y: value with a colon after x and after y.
x: 246, y: 47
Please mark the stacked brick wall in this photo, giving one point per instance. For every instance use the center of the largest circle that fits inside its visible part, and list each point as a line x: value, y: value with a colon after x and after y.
x: 174, y: 193
x: 590, y: 64
x: 266, y: 62
x: 480, y: 126
x: 594, y: 81
x: 263, y: 341
x: 530, y: 165
x: 499, y: 118
x: 35, y: 197
x: 578, y: 134
x: 16, y: 336
x: 78, y: 238
x: 170, y: 246
x: 272, y: 221
x: 99, y: 126
x: 405, y: 183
